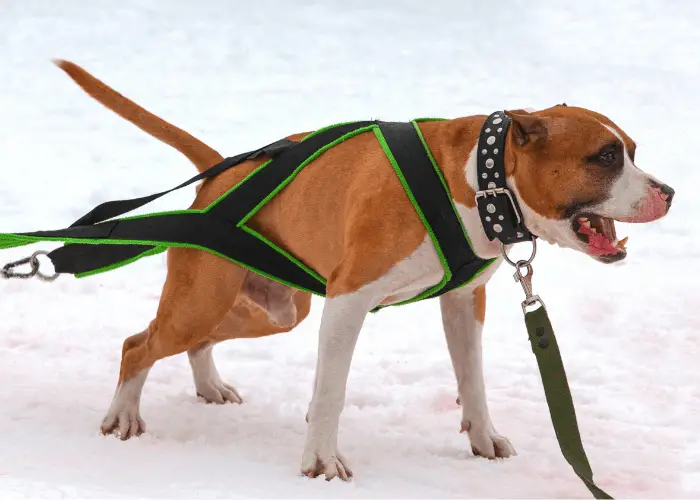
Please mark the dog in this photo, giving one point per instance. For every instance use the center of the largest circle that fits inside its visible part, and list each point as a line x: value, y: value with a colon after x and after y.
x: 570, y: 169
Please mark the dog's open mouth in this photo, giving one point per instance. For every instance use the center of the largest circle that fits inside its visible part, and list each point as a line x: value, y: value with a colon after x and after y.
x: 598, y: 233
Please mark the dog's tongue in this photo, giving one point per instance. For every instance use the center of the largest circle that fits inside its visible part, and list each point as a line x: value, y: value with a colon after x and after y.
x: 598, y: 244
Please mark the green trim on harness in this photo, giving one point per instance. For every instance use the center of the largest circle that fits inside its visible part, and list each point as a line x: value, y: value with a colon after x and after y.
x: 154, y: 246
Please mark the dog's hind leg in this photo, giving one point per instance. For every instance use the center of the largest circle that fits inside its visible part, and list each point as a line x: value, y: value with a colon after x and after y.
x: 199, y: 291
x: 123, y: 416
x: 207, y: 380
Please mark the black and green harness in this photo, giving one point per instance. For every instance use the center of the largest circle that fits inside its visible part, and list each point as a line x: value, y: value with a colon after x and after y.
x: 100, y: 240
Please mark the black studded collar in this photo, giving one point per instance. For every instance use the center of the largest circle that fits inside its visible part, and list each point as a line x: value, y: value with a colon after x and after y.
x: 498, y: 209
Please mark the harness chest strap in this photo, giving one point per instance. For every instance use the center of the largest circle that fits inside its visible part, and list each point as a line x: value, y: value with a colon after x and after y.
x: 96, y: 244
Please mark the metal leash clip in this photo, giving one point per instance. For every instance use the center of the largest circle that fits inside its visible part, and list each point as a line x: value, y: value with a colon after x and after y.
x: 8, y: 270
x: 525, y: 280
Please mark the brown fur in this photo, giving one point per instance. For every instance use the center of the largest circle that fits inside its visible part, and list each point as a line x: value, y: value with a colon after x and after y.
x: 242, y: 316
x: 480, y: 303
x: 345, y: 215
x: 553, y: 173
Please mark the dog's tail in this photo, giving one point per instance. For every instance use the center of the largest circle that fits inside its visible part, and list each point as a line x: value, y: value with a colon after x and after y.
x: 195, y: 150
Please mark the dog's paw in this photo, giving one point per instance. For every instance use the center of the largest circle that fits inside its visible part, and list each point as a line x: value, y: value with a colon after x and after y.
x: 487, y: 443
x: 314, y: 464
x: 125, y: 423
x: 218, y: 393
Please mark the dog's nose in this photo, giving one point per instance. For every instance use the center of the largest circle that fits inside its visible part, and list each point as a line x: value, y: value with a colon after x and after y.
x: 668, y: 191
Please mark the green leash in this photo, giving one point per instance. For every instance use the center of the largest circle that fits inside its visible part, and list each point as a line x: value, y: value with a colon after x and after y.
x: 556, y: 387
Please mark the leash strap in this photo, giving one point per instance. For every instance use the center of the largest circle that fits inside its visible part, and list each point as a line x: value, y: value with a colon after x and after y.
x: 556, y: 389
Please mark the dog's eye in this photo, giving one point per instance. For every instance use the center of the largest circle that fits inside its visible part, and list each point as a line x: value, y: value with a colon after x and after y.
x: 607, y: 157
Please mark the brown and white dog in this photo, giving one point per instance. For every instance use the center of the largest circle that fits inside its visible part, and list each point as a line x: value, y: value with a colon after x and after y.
x: 571, y: 169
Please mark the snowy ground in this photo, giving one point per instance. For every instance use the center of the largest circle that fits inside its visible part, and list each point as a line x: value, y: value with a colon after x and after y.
x: 239, y: 75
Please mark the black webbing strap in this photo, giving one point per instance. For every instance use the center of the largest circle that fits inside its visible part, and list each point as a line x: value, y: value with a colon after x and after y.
x: 434, y: 201
x: 195, y: 229
x: 254, y: 190
x: 217, y: 229
x: 76, y: 258
x: 116, y: 208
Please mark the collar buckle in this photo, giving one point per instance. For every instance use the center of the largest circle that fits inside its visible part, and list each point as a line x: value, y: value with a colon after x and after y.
x: 495, y: 192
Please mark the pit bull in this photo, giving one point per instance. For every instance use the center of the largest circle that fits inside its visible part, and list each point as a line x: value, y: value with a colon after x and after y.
x: 347, y: 216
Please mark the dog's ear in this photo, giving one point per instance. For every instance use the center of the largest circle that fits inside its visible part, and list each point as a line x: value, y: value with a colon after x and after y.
x: 526, y: 127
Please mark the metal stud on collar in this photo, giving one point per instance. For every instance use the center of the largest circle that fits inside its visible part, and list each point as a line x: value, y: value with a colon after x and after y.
x: 498, y: 209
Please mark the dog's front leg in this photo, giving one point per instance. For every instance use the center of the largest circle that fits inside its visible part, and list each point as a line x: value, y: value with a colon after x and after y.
x: 340, y: 326
x: 463, y: 312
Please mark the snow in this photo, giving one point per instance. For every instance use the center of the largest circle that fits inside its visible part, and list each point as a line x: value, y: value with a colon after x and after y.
x: 239, y: 75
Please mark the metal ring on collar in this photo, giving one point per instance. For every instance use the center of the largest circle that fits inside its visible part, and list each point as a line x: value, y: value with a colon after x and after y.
x: 520, y: 262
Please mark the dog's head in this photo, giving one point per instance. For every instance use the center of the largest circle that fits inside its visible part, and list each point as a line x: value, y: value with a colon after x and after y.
x: 573, y: 173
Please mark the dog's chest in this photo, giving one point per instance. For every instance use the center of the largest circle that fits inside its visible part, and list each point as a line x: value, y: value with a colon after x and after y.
x: 418, y: 272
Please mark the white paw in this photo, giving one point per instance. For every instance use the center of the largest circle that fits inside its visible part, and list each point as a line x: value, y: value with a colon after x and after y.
x: 218, y: 392
x: 487, y: 443
x: 124, y: 421
x: 315, y: 462
x: 123, y: 417
x: 207, y: 381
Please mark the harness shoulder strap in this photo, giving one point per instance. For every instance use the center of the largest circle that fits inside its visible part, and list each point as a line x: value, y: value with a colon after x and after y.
x: 430, y: 194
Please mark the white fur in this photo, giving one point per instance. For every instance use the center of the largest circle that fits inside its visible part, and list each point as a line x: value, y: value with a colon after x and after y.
x: 628, y: 190
x: 463, y: 334
x: 207, y: 380
x: 340, y: 327
x: 418, y: 272
x: 123, y: 414
x: 553, y: 231
x: 625, y: 195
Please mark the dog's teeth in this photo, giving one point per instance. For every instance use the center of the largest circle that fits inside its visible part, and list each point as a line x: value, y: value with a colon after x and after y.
x: 583, y: 219
x: 615, y: 242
